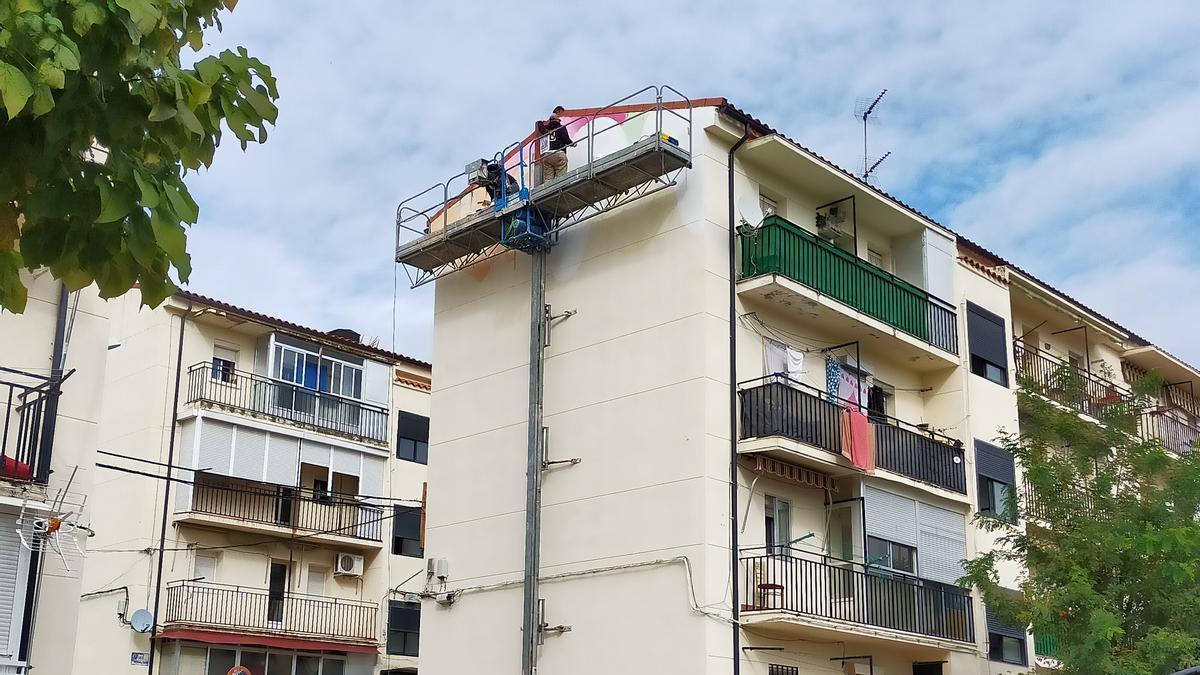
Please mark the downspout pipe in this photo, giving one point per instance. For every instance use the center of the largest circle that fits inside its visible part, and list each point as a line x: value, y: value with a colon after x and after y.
x: 162, y: 530
x: 733, y: 411
x: 33, y: 584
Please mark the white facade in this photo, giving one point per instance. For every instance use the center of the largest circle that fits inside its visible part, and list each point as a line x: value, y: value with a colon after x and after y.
x: 279, y: 537
x: 635, y: 539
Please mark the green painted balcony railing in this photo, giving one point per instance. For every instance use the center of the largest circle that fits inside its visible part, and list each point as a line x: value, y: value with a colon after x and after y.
x: 779, y: 246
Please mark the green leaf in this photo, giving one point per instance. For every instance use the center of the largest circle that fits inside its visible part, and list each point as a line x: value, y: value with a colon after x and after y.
x: 161, y: 112
x: 43, y: 100
x: 181, y: 203
x: 150, y: 197
x: 209, y: 69
x: 189, y: 120
x: 172, y: 240
x: 259, y: 101
x: 13, y: 295
x: 29, y: 6
x: 15, y: 89
x: 85, y: 16
x: 51, y: 75
x: 115, y: 204
x: 143, y: 12
x: 141, y: 241
x: 66, y: 55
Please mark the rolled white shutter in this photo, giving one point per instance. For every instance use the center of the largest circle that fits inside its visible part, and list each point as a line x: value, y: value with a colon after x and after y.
x: 943, y: 544
x: 891, y: 516
x: 283, y: 460
x: 251, y: 454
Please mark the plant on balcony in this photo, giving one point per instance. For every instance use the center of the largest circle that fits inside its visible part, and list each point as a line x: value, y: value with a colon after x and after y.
x: 1109, y: 540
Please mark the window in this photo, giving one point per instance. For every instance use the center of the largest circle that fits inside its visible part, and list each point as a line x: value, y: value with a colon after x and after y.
x: 889, y: 554
x: 224, y: 364
x: 996, y: 478
x: 769, y: 206
x: 927, y: 668
x: 205, y: 566
x: 1007, y: 649
x: 875, y: 258
x: 406, y: 531
x: 412, y: 437
x: 985, y: 333
x: 878, y: 399
x: 320, y: 490
x: 404, y: 627
x: 316, y: 580
x: 779, y: 525
x: 776, y: 669
x: 313, y: 371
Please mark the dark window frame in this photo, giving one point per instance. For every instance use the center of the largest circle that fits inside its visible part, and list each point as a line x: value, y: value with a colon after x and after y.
x: 412, y: 437
x: 777, y: 669
x: 407, y: 635
x: 224, y: 370
x: 891, y: 546
x: 406, y: 531
x: 996, y: 649
x: 1004, y: 509
x: 981, y: 357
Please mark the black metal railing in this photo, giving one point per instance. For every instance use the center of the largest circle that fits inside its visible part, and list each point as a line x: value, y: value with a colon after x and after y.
x: 1069, y: 385
x: 300, y: 509
x: 779, y: 406
x: 201, y: 603
x: 1077, y: 498
x: 287, y: 401
x: 828, y: 588
x: 24, y: 446
x: 1177, y: 433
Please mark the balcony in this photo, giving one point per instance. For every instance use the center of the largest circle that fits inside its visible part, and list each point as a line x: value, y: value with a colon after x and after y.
x: 287, y: 402
x: 27, y: 399
x: 810, y: 585
x: 287, y: 511
x: 1174, y: 428
x: 1068, y: 385
x: 802, y: 413
x: 781, y: 247
x: 237, y: 608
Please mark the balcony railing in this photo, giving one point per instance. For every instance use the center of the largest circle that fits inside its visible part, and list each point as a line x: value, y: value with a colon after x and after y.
x: 1076, y: 498
x: 783, y: 407
x: 24, y: 448
x: 299, y: 509
x: 1173, y: 428
x: 781, y: 247
x: 238, y: 608
x: 1070, y: 385
x: 828, y: 588
x: 319, y: 410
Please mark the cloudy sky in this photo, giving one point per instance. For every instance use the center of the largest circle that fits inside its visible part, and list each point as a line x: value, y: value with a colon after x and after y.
x: 1064, y: 136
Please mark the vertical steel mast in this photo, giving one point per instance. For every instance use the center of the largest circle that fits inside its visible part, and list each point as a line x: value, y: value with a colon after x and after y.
x: 531, y: 626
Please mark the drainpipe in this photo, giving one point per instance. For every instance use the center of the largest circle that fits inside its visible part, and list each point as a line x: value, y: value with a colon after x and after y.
x: 162, y: 531
x: 33, y: 585
x: 733, y: 412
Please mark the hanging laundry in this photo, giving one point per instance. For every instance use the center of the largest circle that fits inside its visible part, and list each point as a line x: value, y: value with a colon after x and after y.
x: 858, y: 440
x: 782, y: 359
x: 795, y: 364
x: 852, y: 389
x: 833, y: 375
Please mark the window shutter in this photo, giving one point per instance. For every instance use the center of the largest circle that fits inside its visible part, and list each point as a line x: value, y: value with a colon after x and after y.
x: 943, y: 544
x: 10, y: 558
x: 891, y: 517
x: 996, y: 625
x: 994, y: 462
x: 985, y: 332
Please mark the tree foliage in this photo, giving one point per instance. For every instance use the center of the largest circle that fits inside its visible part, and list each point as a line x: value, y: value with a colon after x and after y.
x: 99, y: 122
x: 1110, y: 541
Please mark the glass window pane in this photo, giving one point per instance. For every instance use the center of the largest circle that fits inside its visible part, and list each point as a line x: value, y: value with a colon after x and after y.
x: 1013, y: 650
x: 877, y: 551
x: 904, y: 558
x: 411, y: 642
x: 406, y: 449
x: 333, y: 667
x: 308, y: 665
x: 221, y: 660
x: 255, y: 661
x: 422, y: 452
x: 191, y: 660
x: 279, y: 664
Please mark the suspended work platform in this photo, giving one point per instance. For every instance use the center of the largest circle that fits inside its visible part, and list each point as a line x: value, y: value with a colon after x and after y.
x: 620, y: 153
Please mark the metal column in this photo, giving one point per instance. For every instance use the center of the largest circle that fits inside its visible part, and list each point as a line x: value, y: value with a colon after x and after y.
x: 531, y: 625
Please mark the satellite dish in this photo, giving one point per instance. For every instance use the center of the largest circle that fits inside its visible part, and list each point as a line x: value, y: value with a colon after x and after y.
x: 749, y: 211
x: 141, y: 621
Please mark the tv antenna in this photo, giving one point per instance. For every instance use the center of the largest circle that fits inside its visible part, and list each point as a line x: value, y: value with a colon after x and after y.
x: 864, y: 110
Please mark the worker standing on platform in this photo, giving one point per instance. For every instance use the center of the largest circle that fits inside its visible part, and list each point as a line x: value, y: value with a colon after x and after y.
x: 554, y: 157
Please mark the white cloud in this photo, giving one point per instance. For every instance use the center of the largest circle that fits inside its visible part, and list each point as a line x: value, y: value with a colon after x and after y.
x: 1015, y: 123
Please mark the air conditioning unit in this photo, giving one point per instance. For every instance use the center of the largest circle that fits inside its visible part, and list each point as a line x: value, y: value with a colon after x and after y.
x: 348, y: 565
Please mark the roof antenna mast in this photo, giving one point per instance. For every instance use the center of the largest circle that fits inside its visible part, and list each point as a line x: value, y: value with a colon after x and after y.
x: 864, y: 110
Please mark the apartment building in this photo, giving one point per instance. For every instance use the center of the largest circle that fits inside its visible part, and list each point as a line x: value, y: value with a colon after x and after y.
x: 708, y: 403
x: 51, y: 375
x: 257, y: 499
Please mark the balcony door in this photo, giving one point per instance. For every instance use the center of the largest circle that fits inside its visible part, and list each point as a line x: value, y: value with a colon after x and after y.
x: 276, y: 592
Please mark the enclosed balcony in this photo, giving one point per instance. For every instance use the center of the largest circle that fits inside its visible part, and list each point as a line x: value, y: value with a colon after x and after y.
x: 24, y: 447
x: 777, y: 406
x: 199, y: 604
x: 246, y: 505
x: 287, y: 402
x: 781, y: 248
x: 831, y: 590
